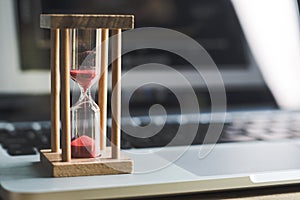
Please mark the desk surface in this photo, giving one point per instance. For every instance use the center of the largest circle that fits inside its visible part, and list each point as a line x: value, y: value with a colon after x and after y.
x: 268, y: 193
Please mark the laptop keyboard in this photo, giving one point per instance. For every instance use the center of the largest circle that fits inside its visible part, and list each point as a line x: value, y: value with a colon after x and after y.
x: 28, y: 137
x: 25, y: 138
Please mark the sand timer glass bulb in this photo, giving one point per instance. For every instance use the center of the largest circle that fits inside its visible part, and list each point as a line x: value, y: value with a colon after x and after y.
x: 85, y: 113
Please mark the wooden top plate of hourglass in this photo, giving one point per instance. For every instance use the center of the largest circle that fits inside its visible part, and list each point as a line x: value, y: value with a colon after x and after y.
x: 79, y: 51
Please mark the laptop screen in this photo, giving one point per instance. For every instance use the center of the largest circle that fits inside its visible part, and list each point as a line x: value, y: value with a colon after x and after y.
x: 212, y: 23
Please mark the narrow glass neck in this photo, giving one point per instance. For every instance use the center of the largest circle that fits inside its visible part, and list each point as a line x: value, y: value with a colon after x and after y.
x: 85, y: 92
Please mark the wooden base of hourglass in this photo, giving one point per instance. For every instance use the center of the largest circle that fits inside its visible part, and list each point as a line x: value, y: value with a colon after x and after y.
x: 103, y: 165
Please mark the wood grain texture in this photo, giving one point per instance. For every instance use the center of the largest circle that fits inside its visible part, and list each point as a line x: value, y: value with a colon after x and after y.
x: 102, y: 88
x: 65, y: 95
x: 55, y: 89
x: 85, y: 21
x: 51, y: 156
x: 86, y: 167
x: 116, y: 88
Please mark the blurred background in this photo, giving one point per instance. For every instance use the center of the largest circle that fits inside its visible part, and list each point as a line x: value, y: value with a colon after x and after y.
x: 255, y: 45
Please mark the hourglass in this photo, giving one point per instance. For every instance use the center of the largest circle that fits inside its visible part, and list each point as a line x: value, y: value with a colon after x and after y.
x: 85, y: 114
x: 79, y: 52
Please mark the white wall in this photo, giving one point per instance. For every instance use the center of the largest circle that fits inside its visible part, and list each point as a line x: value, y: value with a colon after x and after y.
x: 272, y: 30
x: 12, y: 79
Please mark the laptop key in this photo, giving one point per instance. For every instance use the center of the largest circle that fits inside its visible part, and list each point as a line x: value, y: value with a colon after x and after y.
x: 18, y: 151
x: 237, y: 138
x: 12, y: 141
x: 3, y: 135
x: 43, y: 142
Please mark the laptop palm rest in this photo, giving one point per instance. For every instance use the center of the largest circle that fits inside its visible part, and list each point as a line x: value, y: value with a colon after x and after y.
x: 242, y: 158
x: 227, y: 166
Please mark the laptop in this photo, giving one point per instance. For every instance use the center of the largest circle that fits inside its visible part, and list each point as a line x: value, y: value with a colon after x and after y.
x: 258, y: 145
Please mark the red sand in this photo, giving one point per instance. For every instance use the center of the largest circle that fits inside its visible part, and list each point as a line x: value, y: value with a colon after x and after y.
x: 83, y: 77
x: 83, y: 147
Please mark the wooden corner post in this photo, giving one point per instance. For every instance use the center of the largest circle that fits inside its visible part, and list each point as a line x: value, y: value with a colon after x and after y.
x: 65, y: 95
x: 116, y: 87
x: 102, y: 87
x: 55, y: 90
